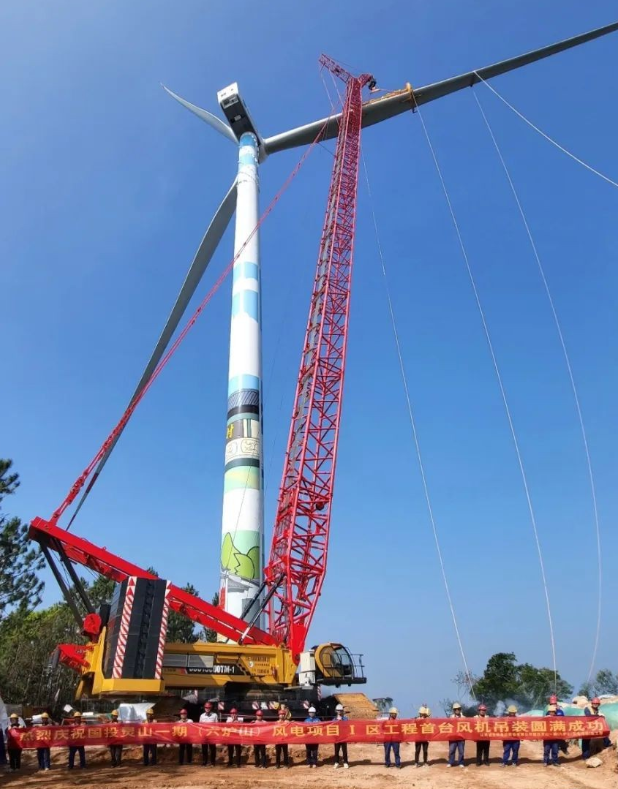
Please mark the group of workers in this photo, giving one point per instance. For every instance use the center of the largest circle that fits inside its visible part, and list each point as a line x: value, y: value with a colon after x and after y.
x: 392, y: 755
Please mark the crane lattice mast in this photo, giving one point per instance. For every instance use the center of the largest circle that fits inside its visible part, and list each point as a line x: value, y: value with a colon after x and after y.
x: 298, y: 555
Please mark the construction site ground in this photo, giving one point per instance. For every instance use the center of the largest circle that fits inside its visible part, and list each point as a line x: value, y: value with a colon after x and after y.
x: 366, y: 771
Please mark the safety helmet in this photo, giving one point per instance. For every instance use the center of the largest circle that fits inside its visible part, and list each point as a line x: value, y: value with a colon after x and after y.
x: 424, y: 710
x: 233, y: 711
x: 183, y: 712
x: 339, y: 708
x: 208, y: 706
x: 553, y: 699
x: 77, y: 714
x: 114, y: 713
x: 258, y: 713
x: 149, y: 712
x: 512, y: 708
x: 552, y: 708
x: 456, y: 706
x: 14, y: 716
x: 482, y: 708
x: 596, y: 702
x: 310, y: 710
x: 45, y: 715
x: 393, y: 711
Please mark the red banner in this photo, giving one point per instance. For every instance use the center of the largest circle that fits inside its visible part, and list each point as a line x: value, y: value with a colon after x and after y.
x: 430, y: 729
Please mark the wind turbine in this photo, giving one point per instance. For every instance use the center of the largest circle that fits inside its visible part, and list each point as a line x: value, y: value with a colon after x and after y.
x: 243, y: 510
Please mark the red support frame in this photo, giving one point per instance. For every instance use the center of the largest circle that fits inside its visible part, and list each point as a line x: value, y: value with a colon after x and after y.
x: 300, y: 537
x: 102, y: 561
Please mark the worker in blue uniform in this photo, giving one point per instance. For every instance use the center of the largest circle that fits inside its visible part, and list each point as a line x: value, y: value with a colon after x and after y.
x: 312, y: 748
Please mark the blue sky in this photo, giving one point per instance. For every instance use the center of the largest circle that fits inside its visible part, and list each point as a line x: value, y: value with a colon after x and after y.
x: 106, y: 188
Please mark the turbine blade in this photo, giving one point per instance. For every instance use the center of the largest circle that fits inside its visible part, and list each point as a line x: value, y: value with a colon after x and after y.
x: 215, y: 123
x: 378, y: 110
x: 202, y: 258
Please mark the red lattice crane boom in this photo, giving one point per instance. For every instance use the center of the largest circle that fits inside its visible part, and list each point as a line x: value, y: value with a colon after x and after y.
x: 297, y: 565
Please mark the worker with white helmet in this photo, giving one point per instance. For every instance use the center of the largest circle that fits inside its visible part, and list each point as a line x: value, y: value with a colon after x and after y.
x: 341, y: 748
x: 510, y: 748
x: 312, y: 748
x: 392, y: 745
x: 594, y: 710
x: 422, y: 745
x: 456, y: 747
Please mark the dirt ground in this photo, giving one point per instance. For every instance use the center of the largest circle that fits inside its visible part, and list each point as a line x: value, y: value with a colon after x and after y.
x: 366, y: 772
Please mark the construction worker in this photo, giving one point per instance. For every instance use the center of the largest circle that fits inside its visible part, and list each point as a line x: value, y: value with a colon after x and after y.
x: 43, y: 755
x: 456, y: 747
x: 209, y: 749
x: 259, y: 751
x: 422, y: 745
x: 234, y: 752
x: 185, y: 750
x: 149, y: 749
x: 590, y: 711
x: 550, y: 747
x: 563, y: 745
x: 311, y: 749
x: 12, y: 747
x: 482, y: 746
x: 79, y: 749
x: 392, y: 745
x: 510, y: 752
x: 341, y: 748
x: 115, y: 750
x: 281, y: 749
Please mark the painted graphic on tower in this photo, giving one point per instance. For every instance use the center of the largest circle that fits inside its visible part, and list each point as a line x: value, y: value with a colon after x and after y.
x: 243, y: 509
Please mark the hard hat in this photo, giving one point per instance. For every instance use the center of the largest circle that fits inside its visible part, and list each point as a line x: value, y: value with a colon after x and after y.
x: 183, y: 712
x: 149, y: 712
x: 339, y: 708
x: 258, y: 713
x: 482, y: 707
x: 512, y: 708
x: 77, y: 714
x: 208, y: 705
x: 553, y: 699
x: 551, y: 708
x: 114, y: 713
x: 596, y: 701
x: 311, y: 709
x: 393, y: 711
x: 456, y: 706
x: 424, y: 711
x: 233, y: 711
x: 45, y: 715
x: 14, y: 716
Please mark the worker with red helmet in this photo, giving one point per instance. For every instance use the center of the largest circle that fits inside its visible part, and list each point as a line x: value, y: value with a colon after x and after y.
x: 482, y: 746
x: 209, y: 749
x: 594, y: 710
x: 185, y: 749
x: 259, y: 751
x: 281, y: 748
x: 563, y: 745
x: 234, y: 752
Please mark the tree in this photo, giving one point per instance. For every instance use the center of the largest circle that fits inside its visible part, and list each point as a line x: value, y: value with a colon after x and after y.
x: 605, y: 682
x: 179, y: 628
x: 505, y: 681
x: 20, y: 561
x: 208, y: 634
